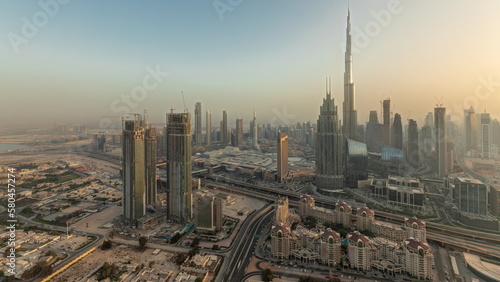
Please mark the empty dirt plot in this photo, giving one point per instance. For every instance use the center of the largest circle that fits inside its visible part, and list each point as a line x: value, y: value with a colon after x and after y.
x: 98, y: 219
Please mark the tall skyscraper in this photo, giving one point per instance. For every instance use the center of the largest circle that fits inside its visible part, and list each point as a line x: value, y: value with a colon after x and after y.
x: 179, y: 167
x: 412, y: 154
x: 133, y: 172
x: 239, y: 131
x: 440, y: 138
x: 255, y: 133
x: 374, y: 133
x: 329, y: 146
x: 197, y: 124
x: 470, y: 129
x: 224, y: 136
x: 350, y: 115
x: 209, y: 128
x: 387, y: 121
x: 485, y: 135
x: 150, y: 163
x: 397, y: 132
x: 429, y: 120
x: 282, y: 156
x: 495, y: 132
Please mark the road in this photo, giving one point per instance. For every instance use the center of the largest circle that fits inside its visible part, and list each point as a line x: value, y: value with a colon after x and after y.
x: 71, y: 254
x: 245, y: 251
x: 244, y: 241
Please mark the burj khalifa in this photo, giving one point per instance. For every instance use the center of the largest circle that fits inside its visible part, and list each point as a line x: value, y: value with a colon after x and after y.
x: 350, y: 114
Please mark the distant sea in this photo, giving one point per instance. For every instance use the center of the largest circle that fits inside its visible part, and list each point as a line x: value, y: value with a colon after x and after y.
x: 11, y: 146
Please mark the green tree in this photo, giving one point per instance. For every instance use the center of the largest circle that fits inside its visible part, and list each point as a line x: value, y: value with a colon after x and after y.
x: 180, y: 258
x: 106, y: 245
x: 193, y: 251
x: 195, y: 242
x: 267, y: 275
x: 142, y: 242
x: 310, y: 222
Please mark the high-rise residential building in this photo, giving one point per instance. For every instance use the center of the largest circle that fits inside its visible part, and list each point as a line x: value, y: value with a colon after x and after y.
x: 426, y: 141
x: 329, y: 147
x: 429, y: 120
x: 239, y: 132
x: 150, y: 163
x: 99, y: 142
x: 160, y: 149
x: 350, y: 115
x: 397, y: 132
x: 361, y: 133
x: 386, y: 105
x: 485, y: 135
x: 471, y: 195
x: 374, y: 132
x: 197, y: 125
x: 209, y: 128
x: 179, y: 167
x: 495, y: 133
x: 412, y: 154
x: 208, y: 214
x: 282, y: 156
x: 440, y: 139
x: 224, y: 134
x: 355, y: 162
x: 255, y: 133
x: 133, y: 172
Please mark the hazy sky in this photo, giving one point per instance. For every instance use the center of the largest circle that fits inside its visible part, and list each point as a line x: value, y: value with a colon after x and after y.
x: 80, y: 60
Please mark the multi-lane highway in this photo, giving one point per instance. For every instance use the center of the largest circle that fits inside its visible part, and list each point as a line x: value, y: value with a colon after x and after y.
x: 236, y: 257
x: 245, y: 250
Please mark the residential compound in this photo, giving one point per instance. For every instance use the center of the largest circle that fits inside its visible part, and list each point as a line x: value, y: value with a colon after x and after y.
x: 393, y: 248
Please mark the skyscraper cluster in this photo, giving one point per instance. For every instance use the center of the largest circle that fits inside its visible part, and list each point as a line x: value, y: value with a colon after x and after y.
x: 138, y: 168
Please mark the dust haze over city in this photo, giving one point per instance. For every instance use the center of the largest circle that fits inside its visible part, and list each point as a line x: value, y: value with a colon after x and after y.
x: 233, y: 140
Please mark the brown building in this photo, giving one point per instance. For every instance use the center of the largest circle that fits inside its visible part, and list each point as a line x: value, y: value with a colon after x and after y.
x: 282, y: 156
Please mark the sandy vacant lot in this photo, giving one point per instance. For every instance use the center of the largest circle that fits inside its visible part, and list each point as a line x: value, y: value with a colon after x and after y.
x: 98, y: 219
x: 117, y: 254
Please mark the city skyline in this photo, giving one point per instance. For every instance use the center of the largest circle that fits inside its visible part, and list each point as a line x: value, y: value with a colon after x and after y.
x: 83, y: 79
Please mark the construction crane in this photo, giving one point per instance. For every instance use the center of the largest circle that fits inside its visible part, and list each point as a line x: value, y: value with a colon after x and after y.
x: 183, y: 101
x: 439, y: 102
